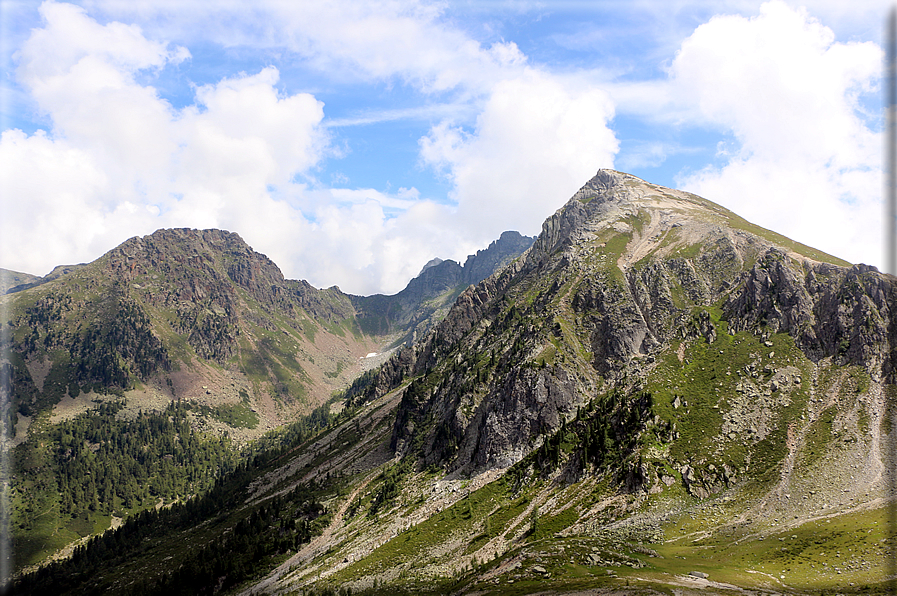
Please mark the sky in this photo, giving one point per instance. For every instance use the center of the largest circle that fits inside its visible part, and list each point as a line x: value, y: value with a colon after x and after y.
x: 353, y: 141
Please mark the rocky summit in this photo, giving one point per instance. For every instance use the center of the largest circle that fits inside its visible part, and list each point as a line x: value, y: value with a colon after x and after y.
x: 654, y: 396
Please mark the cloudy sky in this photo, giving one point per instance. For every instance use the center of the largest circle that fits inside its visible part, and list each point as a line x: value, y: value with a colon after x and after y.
x: 352, y: 141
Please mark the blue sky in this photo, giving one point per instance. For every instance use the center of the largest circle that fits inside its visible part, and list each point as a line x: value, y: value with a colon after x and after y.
x: 354, y: 141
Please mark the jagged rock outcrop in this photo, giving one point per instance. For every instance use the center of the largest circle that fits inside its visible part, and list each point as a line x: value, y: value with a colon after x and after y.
x: 833, y: 311
x: 617, y: 275
x: 484, y: 263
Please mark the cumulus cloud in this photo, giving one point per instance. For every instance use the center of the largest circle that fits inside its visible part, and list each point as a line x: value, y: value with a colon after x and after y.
x: 119, y: 160
x: 536, y: 141
x: 805, y: 161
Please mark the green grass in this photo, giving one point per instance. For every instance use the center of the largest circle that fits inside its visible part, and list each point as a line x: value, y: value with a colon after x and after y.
x: 688, y: 251
x: 706, y: 380
x: 805, y: 555
x: 465, y: 517
x: 639, y: 220
x: 857, y: 381
x: 549, y: 525
x: 818, y: 437
x: 740, y: 223
x: 273, y: 361
x: 238, y: 415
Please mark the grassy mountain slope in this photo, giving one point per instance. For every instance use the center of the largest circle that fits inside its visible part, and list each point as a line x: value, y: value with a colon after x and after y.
x: 11, y: 279
x: 99, y: 353
x: 655, y: 379
x: 655, y: 388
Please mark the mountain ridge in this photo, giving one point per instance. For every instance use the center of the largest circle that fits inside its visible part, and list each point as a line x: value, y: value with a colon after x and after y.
x: 655, y: 387
x: 181, y: 316
x: 428, y: 297
x: 637, y: 321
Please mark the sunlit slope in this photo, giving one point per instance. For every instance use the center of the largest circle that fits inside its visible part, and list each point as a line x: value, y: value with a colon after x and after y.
x: 656, y: 397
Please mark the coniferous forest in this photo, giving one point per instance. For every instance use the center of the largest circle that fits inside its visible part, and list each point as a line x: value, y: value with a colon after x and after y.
x: 156, y: 458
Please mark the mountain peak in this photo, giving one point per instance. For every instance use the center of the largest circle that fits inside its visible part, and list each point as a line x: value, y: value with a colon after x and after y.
x: 430, y: 264
x: 655, y: 221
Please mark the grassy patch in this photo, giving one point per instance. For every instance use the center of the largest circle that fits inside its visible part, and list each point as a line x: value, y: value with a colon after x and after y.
x: 856, y: 383
x: 466, y: 517
x: 240, y: 415
x: 740, y: 223
x: 550, y: 525
x: 705, y: 384
x: 819, y: 436
x: 819, y: 555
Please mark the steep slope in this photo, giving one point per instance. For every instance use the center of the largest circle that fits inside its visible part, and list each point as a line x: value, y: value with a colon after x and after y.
x: 653, y: 369
x: 613, y: 281
x: 656, y: 387
x: 189, y: 318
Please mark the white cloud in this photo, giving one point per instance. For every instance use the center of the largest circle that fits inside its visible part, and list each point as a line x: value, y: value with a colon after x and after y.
x: 121, y: 161
x: 376, y: 39
x: 243, y: 156
x: 48, y: 187
x: 537, y: 140
x: 806, y: 163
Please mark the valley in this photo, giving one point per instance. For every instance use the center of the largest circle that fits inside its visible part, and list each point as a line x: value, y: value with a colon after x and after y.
x: 654, y: 396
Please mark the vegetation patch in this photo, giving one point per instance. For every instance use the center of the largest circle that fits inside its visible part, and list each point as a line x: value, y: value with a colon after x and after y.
x: 239, y: 415
x: 75, y: 474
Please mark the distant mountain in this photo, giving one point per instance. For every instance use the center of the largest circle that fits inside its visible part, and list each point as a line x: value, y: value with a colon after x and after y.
x: 199, y: 314
x: 411, y: 313
x: 181, y: 314
x: 13, y: 279
x: 26, y: 281
x: 657, y: 396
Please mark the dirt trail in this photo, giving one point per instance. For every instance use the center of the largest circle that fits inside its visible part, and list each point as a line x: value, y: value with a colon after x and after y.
x: 313, y: 548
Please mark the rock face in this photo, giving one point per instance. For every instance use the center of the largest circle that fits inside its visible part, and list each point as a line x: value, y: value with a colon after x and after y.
x: 484, y: 263
x: 832, y: 311
x: 620, y: 274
